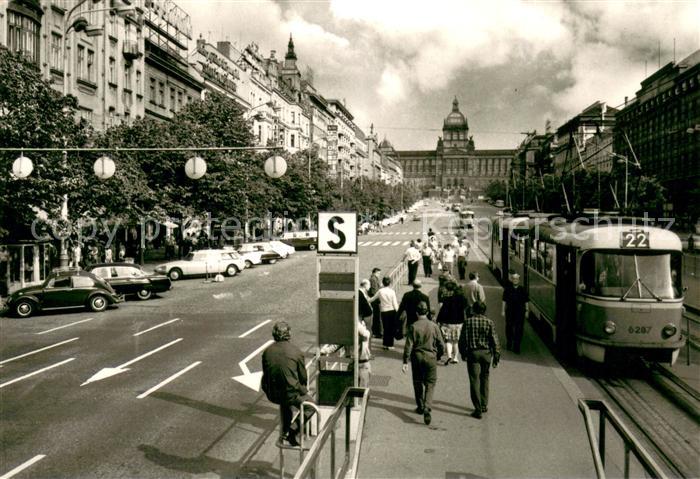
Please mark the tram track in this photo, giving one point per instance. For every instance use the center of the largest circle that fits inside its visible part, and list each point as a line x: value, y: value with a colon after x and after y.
x: 661, y: 415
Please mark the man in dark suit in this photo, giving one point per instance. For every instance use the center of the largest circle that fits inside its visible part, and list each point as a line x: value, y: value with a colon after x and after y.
x: 411, y: 300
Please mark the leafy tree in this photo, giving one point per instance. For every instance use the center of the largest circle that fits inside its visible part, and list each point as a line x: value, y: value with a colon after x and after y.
x: 33, y: 115
x: 496, y: 190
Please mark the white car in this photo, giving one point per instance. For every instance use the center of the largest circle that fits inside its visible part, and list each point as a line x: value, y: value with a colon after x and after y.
x: 283, y: 249
x: 265, y: 250
x: 251, y: 258
x: 204, y: 262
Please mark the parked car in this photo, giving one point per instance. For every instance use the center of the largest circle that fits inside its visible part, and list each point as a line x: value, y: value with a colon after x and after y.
x: 251, y: 258
x: 128, y: 279
x: 63, y: 290
x: 300, y: 239
x: 204, y: 262
x: 268, y: 254
x: 284, y: 250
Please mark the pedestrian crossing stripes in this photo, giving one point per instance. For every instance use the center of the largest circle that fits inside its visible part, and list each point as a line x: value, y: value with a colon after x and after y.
x: 405, y: 233
x: 475, y: 254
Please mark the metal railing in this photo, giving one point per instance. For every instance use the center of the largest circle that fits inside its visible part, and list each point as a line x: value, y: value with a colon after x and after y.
x: 397, y: 273
x: 304, y: 430
x: 631, y: 444
x: 351, y: 460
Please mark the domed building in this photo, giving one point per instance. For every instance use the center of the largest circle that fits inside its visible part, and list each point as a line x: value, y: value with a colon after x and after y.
x: 455, y: 167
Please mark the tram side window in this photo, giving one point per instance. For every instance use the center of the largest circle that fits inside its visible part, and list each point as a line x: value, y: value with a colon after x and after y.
x: 521, y: 249
x: 548, y: 252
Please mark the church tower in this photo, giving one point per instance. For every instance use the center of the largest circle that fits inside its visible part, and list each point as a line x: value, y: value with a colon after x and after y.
x: 290, y: 72
x: 455, y: 130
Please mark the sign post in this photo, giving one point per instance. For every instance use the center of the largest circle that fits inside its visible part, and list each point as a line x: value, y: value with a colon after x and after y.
x: 338, y: 271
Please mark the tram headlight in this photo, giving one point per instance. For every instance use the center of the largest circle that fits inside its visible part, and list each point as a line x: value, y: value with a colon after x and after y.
x: 610, y: 327
x: 669, y: 330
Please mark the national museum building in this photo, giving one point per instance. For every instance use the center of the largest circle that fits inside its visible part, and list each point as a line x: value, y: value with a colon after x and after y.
x: 454, y: 166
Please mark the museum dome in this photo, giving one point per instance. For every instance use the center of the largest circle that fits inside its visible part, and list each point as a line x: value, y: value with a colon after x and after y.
x: 455, y: 119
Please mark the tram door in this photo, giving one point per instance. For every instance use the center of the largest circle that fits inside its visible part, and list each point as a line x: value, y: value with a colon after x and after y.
x: 565, y: 338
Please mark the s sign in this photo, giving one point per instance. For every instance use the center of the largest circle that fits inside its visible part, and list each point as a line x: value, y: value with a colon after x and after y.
x: 337, y: 232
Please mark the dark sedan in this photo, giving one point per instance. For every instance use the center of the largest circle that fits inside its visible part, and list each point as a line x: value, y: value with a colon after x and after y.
x: 128, y: 279
x: 63, y: 290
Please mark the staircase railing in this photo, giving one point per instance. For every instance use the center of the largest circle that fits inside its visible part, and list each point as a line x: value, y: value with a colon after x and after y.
x: 631, y: 444
x: 349, y: 466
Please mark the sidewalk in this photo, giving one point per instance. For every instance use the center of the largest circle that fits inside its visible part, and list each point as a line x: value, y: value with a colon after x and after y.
x: 533, y: 427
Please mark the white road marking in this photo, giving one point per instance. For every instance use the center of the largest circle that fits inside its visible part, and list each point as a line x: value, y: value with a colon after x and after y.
x: 38, y: 350
x: 255, y: 328
x: 396, y: 243
x: 171, y: 378
x: 36, y: 372
x: 372, y: 243
x: 386, y: 243
x: 406, y: 243
x: 156, y: 327
x: 23, y: 466
x: 65, y: 326
x: 251, y: 380
x: 362, y: 243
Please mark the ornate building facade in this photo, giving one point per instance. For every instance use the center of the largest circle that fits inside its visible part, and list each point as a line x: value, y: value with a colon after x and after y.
x: 454, y: 166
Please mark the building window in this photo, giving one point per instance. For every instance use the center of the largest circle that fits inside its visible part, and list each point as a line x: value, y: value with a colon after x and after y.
x: 179, y: 100
x: 90, y: 64
x: 56, y: 51
x: 127, y: 76
x: 293, y: 118
x: 112, y: 71
x: 259, y: 133
x: 81, y: 68
x: 23, y: 35
x: 172, y: 99
x: 152, y: 92
x: 291, y: 140
x: 138, y: 82
x: 161, y: 93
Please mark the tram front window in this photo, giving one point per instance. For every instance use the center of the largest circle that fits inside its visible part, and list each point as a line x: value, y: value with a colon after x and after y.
x: 623, y: 275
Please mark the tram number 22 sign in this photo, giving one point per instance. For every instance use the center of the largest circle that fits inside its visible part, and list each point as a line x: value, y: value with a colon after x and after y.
x: 337, y: 232
x: 634, y: 239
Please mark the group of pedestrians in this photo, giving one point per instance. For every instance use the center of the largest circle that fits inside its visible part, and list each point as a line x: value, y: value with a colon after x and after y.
x: 436, y: 256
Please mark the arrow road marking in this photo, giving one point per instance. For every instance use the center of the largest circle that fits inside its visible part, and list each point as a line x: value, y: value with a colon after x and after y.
x: 38, y: 350
x: 252, y: 380
x: 36, y: 372
x: 122, y: 368
x: 171, y: 378
x: 23, y: 466
x: 65, y: 326
x: 156, y: 326
x: 255, y: 328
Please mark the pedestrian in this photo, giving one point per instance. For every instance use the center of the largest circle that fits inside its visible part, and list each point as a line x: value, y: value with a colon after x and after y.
x: 410, y: 301
x: 515, y: 310
x: 375, y: 281
x: 427, y: 254
x: 122, y: 253
x: 478, y: 345
x: 412, y: 256
x: 364, y: 370
x: 109, y: 255
x: 388, y: 305
x: 364, y: 306
x: 424, y: 347
x: 284, y: 381
x: 450, y: 318
x: 462, y: 256
x: 473, y: 291
x: 431, y: 233
x: 448, y: 259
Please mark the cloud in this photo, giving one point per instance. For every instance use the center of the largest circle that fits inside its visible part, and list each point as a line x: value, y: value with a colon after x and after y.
x: 391, y: 86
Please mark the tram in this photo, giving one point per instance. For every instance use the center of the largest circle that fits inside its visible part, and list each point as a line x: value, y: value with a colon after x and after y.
x: 600, y: 286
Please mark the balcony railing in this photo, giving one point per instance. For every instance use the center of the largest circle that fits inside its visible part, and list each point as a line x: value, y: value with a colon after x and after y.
x: 131, y: 49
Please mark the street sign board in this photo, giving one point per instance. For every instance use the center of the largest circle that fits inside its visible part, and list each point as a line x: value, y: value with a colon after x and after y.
x: 337, y: 232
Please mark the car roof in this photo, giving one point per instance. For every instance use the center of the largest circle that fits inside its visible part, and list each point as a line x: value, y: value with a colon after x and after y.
x: 109, y: 265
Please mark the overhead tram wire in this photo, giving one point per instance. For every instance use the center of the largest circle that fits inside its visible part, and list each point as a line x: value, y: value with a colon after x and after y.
x: 481, y: 132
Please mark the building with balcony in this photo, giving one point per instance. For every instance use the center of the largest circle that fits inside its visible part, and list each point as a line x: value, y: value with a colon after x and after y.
x: 346, y: 138
x: 321, y: 116
x: 585, y: 140
x: 93, y: 50
x: 170, y: 81
x: 454, y: 166
x: 660, y: 127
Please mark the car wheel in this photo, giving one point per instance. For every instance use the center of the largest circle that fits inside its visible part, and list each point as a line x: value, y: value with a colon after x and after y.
x: 144, y: 294
x: 231, y: 270
x: 248, y: 263
x: 98, y: 303
x: 175, y: 274
x: 312, y: 247
x: 24, y: 308
x: 273, y: 261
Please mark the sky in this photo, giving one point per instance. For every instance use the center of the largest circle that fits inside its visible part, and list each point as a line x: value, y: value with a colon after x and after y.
x: 512, y: 65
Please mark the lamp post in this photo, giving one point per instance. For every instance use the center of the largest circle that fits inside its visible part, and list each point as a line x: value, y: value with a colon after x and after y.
x: 625, y: 160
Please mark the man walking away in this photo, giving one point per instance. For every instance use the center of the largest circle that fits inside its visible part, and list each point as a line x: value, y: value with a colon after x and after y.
x: 515, y: 310
x: 284, y: 380
x: 424, y: 347
x: 410, y: 301
x: 375, y: 282
x: 413, y: 257
x: 478, y: 345
x: 462, y: 255
x: 448, y: 259
x: 427, y: 254
x: 473, y: 291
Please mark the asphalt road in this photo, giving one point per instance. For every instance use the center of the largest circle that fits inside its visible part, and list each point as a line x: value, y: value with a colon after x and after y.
x: 146, y: 390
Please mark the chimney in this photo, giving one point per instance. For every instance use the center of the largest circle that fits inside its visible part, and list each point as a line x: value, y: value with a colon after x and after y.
x: 625, y: 101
